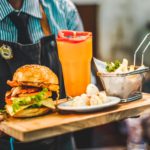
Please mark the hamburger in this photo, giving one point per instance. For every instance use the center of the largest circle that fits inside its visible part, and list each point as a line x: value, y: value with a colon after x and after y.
x: 32, y: 89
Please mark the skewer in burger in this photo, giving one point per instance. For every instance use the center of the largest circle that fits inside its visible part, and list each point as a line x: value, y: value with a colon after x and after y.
x: 32, y: 90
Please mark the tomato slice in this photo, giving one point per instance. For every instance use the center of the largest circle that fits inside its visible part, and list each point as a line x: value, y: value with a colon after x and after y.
x: 28, y: 90
x: 8, y: 100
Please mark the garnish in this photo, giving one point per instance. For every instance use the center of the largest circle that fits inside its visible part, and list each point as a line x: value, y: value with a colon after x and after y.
x: 35, y: 100
x: 111, y: 67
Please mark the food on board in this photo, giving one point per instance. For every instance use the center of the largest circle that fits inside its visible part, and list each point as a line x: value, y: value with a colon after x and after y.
x: 121, y: 79
x: 92, y: 97
x: 111, y: 67
x: 118, y: 67
x: 32, y: 90
x: 123, y: 67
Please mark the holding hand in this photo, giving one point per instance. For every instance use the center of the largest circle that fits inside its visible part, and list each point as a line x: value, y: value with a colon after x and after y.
x: 1, y: 119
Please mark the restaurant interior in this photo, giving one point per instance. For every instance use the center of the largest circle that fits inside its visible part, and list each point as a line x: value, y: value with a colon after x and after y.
x: 94, y: 100
x: 118, y: 27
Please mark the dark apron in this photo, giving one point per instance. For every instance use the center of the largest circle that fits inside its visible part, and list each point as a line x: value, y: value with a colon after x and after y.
x: 44, y: 53
x: 58, y: 143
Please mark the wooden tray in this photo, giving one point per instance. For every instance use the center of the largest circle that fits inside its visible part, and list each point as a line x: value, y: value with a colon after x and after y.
x: 55, y: 124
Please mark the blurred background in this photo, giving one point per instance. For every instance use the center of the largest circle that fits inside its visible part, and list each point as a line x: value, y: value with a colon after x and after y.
x: 118, y: 27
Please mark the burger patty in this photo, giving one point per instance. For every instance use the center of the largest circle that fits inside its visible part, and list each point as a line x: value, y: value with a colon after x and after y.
x: 17, y: 92
x: 22, y: 90
x: 51, y: 87
x: 47, y: 94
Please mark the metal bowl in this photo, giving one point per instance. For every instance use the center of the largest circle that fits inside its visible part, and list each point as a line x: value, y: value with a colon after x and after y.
x: 125, y: 85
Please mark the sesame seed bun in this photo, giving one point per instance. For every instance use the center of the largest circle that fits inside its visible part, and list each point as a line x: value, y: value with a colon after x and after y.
x: 35, y: 73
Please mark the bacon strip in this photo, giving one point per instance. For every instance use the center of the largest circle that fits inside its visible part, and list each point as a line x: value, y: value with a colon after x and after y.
x: 12, y: 83
x: 51, y: 87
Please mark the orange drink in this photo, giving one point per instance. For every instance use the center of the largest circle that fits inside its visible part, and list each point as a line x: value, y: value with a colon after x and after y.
x: 75, y: 54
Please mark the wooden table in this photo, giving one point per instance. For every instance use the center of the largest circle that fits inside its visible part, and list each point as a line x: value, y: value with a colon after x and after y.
x: 56, y: 124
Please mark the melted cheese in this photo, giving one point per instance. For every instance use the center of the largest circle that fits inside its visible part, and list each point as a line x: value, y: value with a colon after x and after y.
x: 10, y: 111
x: 48, y: 103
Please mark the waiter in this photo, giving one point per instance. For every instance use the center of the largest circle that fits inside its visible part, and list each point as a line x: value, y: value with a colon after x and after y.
x: 26, y: 28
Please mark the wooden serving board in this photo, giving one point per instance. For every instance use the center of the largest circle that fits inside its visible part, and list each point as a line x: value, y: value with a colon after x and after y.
x: 55, y: 124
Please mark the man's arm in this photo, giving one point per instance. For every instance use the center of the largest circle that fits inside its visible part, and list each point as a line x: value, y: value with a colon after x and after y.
x: 73, y: 18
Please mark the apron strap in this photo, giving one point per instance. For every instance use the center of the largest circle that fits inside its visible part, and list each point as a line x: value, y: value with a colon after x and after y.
x: 11, y: 140
x: 44, y: 23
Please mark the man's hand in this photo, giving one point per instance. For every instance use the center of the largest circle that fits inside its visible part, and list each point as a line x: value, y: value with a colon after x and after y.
x: 1, y: 119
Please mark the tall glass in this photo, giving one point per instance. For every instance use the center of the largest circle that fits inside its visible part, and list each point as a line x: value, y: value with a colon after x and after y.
x: 75, y: 53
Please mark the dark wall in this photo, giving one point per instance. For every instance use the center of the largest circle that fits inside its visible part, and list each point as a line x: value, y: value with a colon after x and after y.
x: 88, y: 15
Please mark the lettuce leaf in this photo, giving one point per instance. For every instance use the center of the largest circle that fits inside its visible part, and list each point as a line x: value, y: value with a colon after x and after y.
x: 29, y: 100
x: 10, y: 109
x: 46, y: 102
